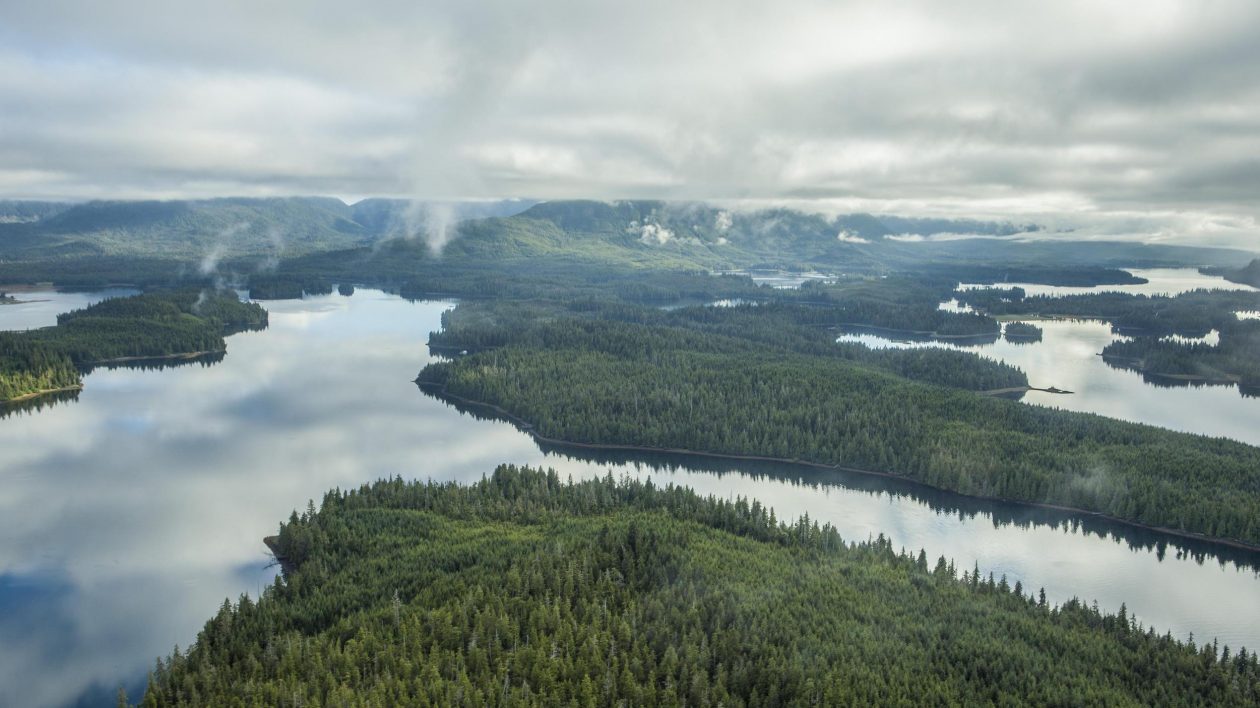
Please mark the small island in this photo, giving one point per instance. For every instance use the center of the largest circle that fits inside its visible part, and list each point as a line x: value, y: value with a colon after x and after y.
x: 161, y: 325
x: 1022, y: 333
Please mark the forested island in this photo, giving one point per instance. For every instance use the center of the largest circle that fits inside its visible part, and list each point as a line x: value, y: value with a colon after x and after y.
x: 1022, y: 332
x: 1157, y: 326
x: 526, y: 590
x: 746, y: 381
x: 1190, y: 314
x: 1234, y: 359
x: 153, y: 325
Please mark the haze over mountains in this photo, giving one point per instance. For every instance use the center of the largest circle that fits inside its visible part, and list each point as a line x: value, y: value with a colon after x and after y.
x: 200, y: 234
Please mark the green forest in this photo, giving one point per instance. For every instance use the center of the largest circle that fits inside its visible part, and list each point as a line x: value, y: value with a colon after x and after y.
x: 1190, y: 314
x: 523, y: 589
x: 1022, y: 332
x: 150, y: 325
x: 696, y: 387
x: 1235, y: 358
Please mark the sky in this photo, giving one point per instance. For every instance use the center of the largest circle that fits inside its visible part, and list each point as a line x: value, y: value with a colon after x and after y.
x: 1133, y: 118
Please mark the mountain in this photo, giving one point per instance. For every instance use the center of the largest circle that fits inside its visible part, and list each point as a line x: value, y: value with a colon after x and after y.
x: 214, y: 229
x: 387, y: 240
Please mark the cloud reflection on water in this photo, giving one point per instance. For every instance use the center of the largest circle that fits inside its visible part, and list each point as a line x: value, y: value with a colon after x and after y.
x: 128, y: 516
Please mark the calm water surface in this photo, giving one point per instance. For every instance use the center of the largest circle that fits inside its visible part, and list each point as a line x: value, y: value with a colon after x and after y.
x: 39, y: 308
x: 1161, y: 281
x: 1068, y: 358
x: 128, y: 514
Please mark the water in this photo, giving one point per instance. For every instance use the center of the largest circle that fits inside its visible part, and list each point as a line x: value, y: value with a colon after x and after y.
x: 1161, y: 281
x: 1068, y: 358
x: 39, y: 308
x: 782, y: 280
x: 129, y: 514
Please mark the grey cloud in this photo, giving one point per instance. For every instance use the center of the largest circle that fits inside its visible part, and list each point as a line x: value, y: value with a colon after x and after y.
x: 1081, y: 108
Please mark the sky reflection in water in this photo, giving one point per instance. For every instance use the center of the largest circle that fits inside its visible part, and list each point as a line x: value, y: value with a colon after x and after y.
x: 127, y: 516
x: 1068, y: 358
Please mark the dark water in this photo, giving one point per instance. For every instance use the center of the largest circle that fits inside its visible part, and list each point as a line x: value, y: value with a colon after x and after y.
x: 129, y: 513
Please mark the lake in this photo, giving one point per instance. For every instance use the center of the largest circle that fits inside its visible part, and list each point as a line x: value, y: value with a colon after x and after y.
x: 1160, y: 281
x: 128, y: 513
x: 1068, y: 358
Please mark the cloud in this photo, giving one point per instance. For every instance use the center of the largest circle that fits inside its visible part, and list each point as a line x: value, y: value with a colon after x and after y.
x: 850, y: 237
x: 650, y: 233
x: 723, y: 221
x: 913, y: 109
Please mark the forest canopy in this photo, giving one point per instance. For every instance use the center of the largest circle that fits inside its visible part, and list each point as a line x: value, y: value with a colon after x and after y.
x: 151, y: 325
x: 696, y: 386
x: 527, y: 590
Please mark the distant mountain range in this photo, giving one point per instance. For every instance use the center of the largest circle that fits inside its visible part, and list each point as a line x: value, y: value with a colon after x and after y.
x: 201, y: 233
x: 216, y: 228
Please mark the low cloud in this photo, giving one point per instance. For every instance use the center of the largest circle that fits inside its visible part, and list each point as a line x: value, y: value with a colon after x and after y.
x: 651, y: 233
x: 723, y: 221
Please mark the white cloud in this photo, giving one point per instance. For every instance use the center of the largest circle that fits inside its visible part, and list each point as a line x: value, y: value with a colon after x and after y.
x: 651, y: 233
x: 723, y: 221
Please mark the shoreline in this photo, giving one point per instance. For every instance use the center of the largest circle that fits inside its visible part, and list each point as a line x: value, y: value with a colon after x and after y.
x: 42, y: 392
x: 530, y: 429
x: 1138, y: 365
x: 1022, y: 389
x: 930, y: 335
x: 156, y: 357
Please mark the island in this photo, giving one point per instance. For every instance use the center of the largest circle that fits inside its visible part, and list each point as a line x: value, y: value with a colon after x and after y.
x: 1022, y: 332
x: 170, y: 325
x: 524, y: 589
x: 749, y: 382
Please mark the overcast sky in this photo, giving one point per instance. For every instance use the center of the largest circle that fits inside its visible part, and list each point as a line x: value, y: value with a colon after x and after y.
x: 1136, y: 117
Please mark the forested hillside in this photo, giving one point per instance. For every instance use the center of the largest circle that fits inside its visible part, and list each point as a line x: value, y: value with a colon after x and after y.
x: 204, y: 232
x: 1248, y: 275
x: 393, y: 243
x: 525, y: 590
x: 618, y: 382
x: 141, y: 326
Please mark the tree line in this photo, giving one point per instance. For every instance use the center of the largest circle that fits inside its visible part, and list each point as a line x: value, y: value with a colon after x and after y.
x: 148, y: 325
x: 523, y: 589
x: 624, y: 383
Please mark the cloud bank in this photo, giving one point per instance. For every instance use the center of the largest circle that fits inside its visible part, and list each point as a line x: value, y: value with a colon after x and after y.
x: 1099, y: 111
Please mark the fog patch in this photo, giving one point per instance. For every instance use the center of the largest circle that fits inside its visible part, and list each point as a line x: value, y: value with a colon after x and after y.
x: 210, y: 261
x: 275, y: 240
x: 651, y: 233
x: 723, y: 221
